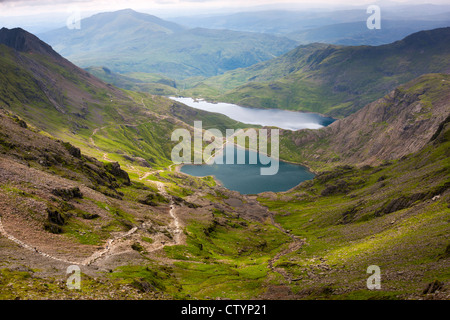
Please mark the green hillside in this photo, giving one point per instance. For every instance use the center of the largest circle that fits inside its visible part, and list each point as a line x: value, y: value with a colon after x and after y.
x: 330, y: 79
x: 128, y: 41
x: 143, y: 82
x: 86, y: 179
x: 394, y: 216
x: 109, y: 123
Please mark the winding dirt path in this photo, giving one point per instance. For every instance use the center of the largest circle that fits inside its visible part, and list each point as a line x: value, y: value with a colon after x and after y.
x: 295, y: 245
x: 31, y: 248
x: 91, y: 140
x: 176, y: 221
x: 107, y: 249
x: 110, y: 243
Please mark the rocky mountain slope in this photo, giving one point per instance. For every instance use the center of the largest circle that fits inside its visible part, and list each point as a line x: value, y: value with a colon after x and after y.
x: 60, y: 207
x: 139, y: 229
x: 401, y: 123
x: 394, y: 216
x: 69, y: 103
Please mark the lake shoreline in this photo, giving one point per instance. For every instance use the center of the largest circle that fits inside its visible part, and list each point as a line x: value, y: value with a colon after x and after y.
x: 291, y: 120
x: 247, y: 178
x: 250, y: 107
x: 300, y: 121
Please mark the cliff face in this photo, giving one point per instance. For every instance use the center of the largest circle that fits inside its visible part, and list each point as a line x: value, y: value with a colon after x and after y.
x: 394, y: 126
x: 23, y: 41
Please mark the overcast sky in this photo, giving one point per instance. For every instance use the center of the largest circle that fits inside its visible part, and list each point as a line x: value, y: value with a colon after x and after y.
x: 39, y: 15
x: 32, y: 7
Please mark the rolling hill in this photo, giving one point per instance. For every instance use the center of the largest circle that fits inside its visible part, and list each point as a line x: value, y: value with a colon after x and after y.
x: 330, y: 79
x: 128, y: 41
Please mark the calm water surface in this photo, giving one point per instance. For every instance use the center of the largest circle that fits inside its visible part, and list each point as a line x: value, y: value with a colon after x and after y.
x: 283, y: 119
x: 246, y: 178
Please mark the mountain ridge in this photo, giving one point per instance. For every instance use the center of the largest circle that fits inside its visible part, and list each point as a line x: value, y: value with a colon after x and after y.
x: 330, y: 79
x: 399, y: 124
x: 115, y: 41
x: 23, y: 41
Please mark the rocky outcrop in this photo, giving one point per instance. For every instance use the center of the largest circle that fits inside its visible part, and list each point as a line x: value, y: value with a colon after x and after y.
x: 401, y: 123
x: 24, y: 41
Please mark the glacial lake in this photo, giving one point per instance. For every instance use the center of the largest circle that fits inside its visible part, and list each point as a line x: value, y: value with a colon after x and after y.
x: 246, y: 178
x: 288, y: 120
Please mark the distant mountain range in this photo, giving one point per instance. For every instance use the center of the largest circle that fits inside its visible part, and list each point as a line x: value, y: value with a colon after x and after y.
x: 357, y: 33
x: 346, y: 27
x: 145, y: 53
x: 331, y: 79
x: 128, y: 41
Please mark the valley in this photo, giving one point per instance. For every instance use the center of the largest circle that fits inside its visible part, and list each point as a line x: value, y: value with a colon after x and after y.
x: 87, y: 176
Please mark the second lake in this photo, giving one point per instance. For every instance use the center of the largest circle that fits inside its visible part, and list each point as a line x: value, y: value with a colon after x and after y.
x: 284, y: 119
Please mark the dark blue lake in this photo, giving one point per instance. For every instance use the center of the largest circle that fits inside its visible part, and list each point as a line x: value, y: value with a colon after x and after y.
x: 247, y: 178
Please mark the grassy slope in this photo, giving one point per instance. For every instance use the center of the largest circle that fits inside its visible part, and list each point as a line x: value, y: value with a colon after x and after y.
x: 129, y: 124
x: 226, y: 255
x: 144, y: 82
x: 331, y: 79
x: 70, y: 104
x: 386, y: 216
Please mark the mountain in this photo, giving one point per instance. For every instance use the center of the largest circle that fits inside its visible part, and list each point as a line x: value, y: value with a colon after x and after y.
x: 394, y: 216
x: 60, y: 207
x: 140, y: 230
x: 347, y: 27
x: 25, y: 42
x: 128, y: 41
x: 84, y: 181
x: 67, y: 102
x: 401, y: 123
x: 357, y: 33
x: 330, y: 79
x: 381, y: 197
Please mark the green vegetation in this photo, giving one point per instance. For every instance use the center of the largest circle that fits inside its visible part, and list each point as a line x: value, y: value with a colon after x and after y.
x: 393, y: 216
x: 227, y: 257
x: 137, y: 81
x: 330, y: 79
x: 162, y: 47
x: 124, y: 126
x: 324, y: 233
